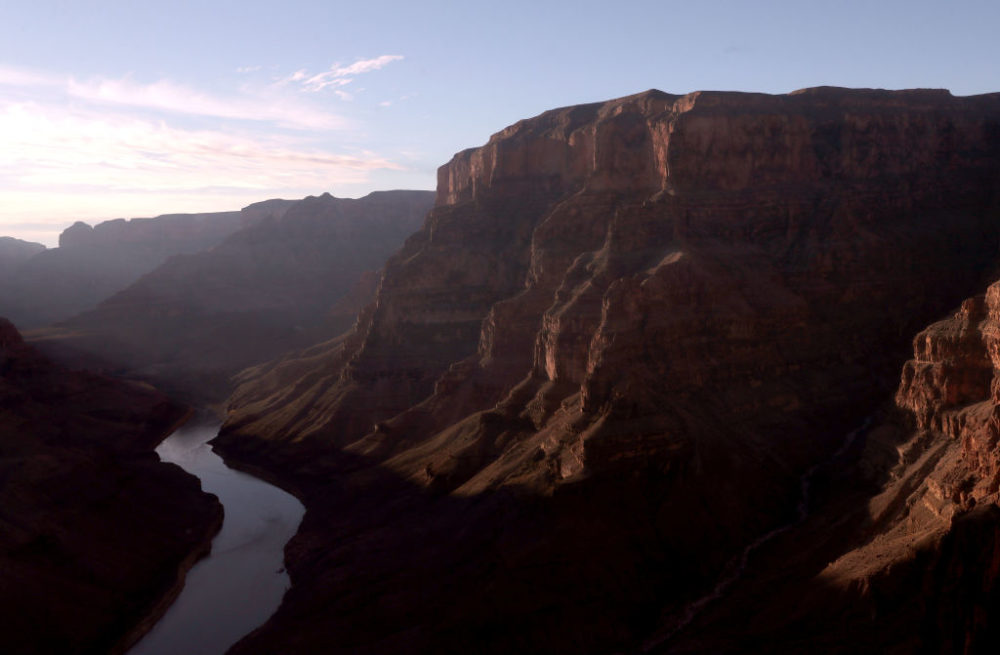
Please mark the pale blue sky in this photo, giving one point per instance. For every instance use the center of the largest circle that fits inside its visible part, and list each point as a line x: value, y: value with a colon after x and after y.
x: 120, y: 109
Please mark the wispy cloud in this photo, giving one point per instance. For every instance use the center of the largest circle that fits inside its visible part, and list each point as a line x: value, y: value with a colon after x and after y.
x: 339, y: 75
x: 58, y: 148
x: 168, y: 96
x: 104, y: 147
x: 28, y: 78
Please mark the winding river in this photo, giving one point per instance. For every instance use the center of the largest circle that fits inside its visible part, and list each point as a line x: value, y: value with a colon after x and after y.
x: 238, y: 587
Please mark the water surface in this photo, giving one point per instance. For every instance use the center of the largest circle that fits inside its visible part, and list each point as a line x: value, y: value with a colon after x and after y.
x: 240, y: 585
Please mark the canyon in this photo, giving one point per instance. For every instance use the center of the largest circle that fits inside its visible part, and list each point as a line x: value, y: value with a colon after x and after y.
x: 711, y: 372
x: 600, y: 369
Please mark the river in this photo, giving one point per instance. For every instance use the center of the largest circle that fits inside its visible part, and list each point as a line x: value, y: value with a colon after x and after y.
x: 238, y: 587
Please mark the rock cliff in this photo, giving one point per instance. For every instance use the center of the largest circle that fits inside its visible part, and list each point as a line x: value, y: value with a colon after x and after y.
x: 94, y: 530
x: 671, y: 304
x: 268, y: 288
x: 900, y: 554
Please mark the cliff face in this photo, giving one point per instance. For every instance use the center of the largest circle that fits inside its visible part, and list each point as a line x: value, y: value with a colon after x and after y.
x: 92, y: 263
x: 268, y: 288
x: 935, y: 525
x: 94, y: 530
x: 900, y: 553
x: 646, y: 230
x: 633, y: 303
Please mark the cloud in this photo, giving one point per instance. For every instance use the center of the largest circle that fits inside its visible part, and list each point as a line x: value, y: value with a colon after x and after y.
x: 168, y: 96
x: 50, y: 148
x: 27, y: 78
x: 339, y: 75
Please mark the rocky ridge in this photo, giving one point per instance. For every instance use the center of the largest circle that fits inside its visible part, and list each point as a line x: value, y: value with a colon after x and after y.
x: 673, y: 304
x: 14, y: 252
x: 197, y: 319
x: 93, y: 262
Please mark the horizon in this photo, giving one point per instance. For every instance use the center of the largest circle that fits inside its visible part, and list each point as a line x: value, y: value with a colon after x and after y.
x: 229, y: 104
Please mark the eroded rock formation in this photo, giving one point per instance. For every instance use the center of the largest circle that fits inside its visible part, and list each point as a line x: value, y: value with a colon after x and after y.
x: 94, y: 531
x: 667, y: 304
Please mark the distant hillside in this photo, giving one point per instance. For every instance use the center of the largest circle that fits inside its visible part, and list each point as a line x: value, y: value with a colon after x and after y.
x: 91, y: 263
x: 14, y: 252
x: 270, y: 287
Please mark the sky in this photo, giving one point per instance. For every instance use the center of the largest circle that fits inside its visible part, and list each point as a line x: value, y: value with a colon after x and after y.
x: 120, y: 109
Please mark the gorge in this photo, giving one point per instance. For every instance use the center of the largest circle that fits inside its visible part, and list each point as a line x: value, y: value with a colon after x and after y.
x: 625, y: 337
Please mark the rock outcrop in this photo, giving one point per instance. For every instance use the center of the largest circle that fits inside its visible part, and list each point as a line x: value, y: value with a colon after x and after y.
x: 94, y: 531
x: 672, y: 304
x: 901, y: 552
x: 196, y: 320
x: 92, y: 263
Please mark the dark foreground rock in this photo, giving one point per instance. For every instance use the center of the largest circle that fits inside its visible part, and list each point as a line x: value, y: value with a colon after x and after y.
x: 95, y: 532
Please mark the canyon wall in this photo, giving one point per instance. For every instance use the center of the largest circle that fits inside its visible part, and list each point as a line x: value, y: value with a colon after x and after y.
x: 670, y: 304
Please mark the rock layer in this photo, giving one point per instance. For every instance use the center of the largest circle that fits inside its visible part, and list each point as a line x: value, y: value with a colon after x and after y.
x: 666, y: 303
x: 94, y: 531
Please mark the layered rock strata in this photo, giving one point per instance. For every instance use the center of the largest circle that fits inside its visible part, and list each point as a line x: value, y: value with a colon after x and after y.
x: 626, y: 328
x: 95, y: 532
x: 268, y: 288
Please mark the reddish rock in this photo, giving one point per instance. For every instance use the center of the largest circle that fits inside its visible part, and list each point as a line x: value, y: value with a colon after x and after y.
x: 626, y: 328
